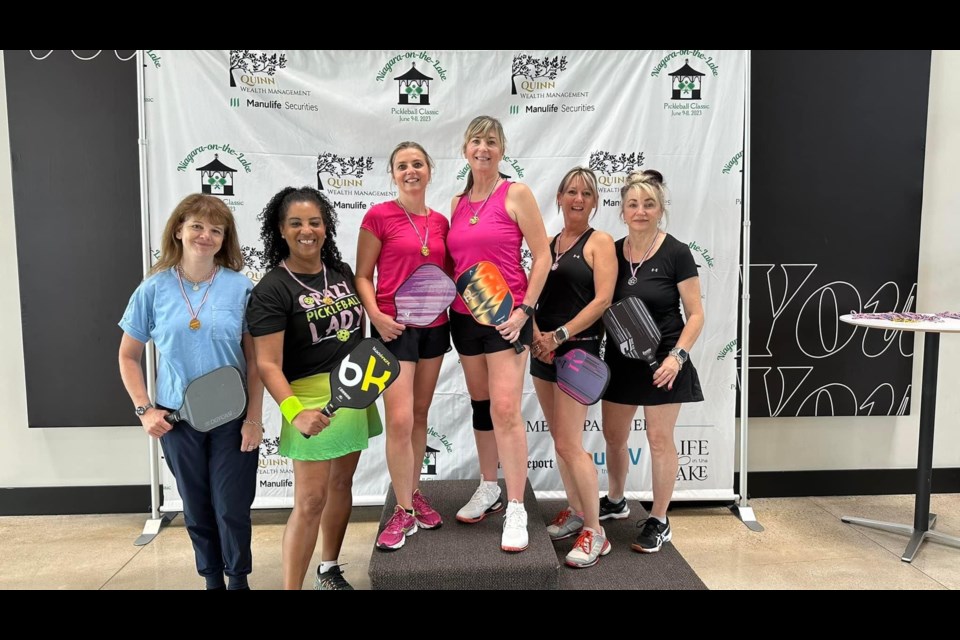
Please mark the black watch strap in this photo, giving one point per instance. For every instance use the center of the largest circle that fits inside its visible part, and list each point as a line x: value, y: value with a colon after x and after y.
x: 527, y: 309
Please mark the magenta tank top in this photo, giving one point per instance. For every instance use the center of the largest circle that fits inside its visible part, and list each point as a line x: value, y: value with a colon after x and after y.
x: 495, y: 238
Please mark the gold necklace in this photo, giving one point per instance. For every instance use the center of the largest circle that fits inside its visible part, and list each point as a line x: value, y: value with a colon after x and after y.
x: 195, y: 285
x: 476, y: 212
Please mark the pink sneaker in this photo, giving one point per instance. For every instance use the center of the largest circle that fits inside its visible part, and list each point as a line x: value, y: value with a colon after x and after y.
x: 427, y: 517
x: 400, y: 525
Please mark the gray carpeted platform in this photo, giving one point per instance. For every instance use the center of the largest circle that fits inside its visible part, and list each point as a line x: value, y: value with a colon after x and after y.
x: 465, y: 556
x: 623, y: 568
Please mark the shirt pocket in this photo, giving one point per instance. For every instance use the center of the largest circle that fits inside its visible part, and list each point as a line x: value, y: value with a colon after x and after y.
x: 228, y: 322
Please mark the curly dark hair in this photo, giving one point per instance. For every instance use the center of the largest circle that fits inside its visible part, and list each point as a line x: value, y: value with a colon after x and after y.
x: 275, y: 247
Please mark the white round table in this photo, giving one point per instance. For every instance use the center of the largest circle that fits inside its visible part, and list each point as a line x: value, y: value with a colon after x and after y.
x: 923, y: 520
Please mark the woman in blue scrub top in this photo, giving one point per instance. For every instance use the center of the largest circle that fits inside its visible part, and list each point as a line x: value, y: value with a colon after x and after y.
x: 192, y: 305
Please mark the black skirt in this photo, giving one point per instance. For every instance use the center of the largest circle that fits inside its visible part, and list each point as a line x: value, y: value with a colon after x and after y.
x: 631, y: 381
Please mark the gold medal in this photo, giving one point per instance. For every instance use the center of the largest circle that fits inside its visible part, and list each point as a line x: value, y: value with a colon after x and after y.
x: 475, y: 219
x: 195, y: 315
x: 425, y: 238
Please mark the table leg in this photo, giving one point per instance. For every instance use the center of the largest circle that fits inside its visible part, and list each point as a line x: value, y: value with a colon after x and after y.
x: 923, y: 520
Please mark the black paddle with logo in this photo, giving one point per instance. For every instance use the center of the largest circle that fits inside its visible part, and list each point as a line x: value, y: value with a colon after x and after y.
x: 359, y: 379
x: 633, y: 331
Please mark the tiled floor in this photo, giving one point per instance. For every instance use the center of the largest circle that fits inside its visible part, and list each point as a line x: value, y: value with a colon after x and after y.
x: 804, y: 546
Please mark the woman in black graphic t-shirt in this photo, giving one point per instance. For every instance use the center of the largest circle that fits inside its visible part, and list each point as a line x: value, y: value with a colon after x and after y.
x: 305, y: 317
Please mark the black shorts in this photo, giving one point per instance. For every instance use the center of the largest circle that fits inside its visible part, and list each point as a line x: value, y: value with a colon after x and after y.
x: 473, y: 339
x: 631, y: 381
x: 415, y: 344
x: 548, y: 372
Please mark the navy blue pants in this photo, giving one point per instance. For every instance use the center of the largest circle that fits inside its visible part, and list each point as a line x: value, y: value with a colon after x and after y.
x: 217, y: 482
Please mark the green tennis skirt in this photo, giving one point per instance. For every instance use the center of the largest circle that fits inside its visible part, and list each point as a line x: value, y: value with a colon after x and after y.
x: 349, y: 430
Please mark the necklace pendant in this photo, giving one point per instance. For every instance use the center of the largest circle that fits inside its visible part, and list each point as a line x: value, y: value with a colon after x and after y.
x: 555, y: 266
x: 327, y: 300
x: 424, y: 251
x: 196, y: 287
x: 632, y: 280
x: 475, y: 219
x: 194, y: 324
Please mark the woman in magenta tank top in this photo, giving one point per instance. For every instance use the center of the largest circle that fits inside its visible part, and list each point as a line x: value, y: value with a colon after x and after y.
x: 396, y: 238
x: 489, y: 221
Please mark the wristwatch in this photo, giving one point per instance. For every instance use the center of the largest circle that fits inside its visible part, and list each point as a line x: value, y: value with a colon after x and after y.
x: 142, y: 410
x: 560, y: 334
x: 527, y: 309
x: 681, y: 355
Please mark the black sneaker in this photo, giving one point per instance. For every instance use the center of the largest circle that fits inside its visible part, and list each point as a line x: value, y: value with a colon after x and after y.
x: 331, y: 580
x: 613, y: 510
x: 653, y: 534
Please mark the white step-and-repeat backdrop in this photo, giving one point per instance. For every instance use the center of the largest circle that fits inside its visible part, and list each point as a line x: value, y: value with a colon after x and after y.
x: 243, y: 124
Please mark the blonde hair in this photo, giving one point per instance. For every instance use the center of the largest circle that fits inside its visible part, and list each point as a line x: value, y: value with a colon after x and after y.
x: 648, y: 183
x: 589, y: 179
x: 210, y: 209
x: 478, y: 128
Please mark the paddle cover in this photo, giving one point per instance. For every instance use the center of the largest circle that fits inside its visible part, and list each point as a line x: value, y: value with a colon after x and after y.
x: 633, y: 331
x: 486, y: 295
x: 424, y: 296
x: 212, y: 400
x: 582, y: 376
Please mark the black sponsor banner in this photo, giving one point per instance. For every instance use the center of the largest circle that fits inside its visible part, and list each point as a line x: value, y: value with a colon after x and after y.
x: 837, y: 179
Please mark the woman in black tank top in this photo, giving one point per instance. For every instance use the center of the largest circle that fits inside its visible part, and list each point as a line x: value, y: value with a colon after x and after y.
x: 579, y: 288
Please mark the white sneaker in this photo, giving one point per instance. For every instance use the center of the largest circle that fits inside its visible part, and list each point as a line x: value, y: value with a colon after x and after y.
x: 514, y: 536
x: 485, y: 500
x: 588, y: 548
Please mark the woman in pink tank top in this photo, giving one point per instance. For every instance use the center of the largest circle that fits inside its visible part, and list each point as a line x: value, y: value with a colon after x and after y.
x: 488, y: 223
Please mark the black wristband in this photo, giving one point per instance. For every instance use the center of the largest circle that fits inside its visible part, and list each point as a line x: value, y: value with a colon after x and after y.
x: 527, y: 309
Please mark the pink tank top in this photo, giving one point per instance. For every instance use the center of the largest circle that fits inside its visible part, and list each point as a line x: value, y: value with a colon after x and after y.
x: 495, y: 238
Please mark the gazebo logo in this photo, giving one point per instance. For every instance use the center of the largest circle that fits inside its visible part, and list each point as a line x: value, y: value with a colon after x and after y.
x: 536, y: 74
x: 343, y: 172
x: 413, y: 87
x: 686, y: 83
x: 216, y: 178
x: 256, y: 67
x: 429, y: 466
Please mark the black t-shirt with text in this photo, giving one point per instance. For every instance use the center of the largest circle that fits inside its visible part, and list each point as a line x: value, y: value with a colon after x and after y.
x: 318, y: 333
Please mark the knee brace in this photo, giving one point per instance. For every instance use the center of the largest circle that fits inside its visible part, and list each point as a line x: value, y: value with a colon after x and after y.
x: 481, y: 415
